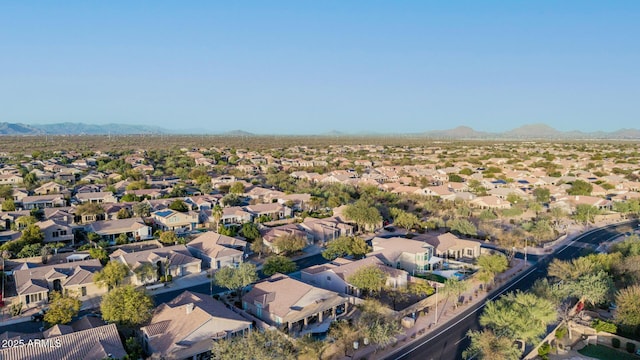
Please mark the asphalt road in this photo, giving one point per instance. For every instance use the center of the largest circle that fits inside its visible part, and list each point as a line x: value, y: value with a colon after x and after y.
x: 451, y: 341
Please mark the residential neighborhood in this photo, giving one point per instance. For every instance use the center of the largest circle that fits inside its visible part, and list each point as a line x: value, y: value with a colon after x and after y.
x: 384, y: 228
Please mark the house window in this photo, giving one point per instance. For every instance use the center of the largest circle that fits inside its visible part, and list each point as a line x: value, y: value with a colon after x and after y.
x: 469, y: 252
x: 55, y: 234
x: 328, y: 278
x: 63, y: 232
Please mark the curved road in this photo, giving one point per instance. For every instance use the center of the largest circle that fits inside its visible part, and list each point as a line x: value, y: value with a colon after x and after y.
x: 449, y: 342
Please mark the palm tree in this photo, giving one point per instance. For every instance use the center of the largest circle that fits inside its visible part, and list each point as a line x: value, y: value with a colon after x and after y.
x: 216, y: 212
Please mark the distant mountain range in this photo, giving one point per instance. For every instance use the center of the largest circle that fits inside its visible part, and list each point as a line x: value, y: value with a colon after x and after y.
x: 532, y: 132
x: 526, y: 132
x: 68, y: 128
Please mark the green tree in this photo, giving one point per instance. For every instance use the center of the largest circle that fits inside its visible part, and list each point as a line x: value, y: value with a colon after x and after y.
x: 124, y: 213
x: 6, y: 192
x: 462, y: 227
x: 127, y: 306
x: 258, y: 345
x: 376, y: 322
x: 257, y: 246
x: 368, y: 278
x: 231, y: 200
x: 312, y: 347
x: 345, y: 245
x: 344, y: 335
x: 628, y: 303
x: 455, y: 288
x: 278, y: 264
x: 237, y: 188
x: 405, y: 220
x: 542, y: 195
x: 8, y: 205
x: 366, y: 217
x: 491, y: 265
x: 30, y: 250
x: 250, y: 231
x: 89, y: 208
x: 142, y: 209
x: 580, y: 187
x: 217, y: 213
x: 289, y: 244
x: 111, y: 275
x: 519, y: 316
x: 62, y: 308
x: 168, y: 237
x: 236, y: 278
x: 592, y: 288
x: 100, y: 254
x: 145, y: 272
x: 421, y: 288
x: 585, y: 213
x: 32, y: 234
x: 486, y: 345
x: 179, y: 205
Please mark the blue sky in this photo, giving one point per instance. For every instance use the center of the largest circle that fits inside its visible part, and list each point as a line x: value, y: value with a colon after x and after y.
x: 304, y: 67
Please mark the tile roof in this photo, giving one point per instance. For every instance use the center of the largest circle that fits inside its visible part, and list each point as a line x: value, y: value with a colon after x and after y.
x: 34, y: 279
x: 181, y: 327
x: 96, y: 343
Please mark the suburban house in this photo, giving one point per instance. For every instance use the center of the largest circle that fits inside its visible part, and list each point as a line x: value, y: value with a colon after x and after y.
x: 274, y: 211
x: 101, y: 342
x: 327, y: 229
x: 270, y: 235
x: 10, y: 179
x: 43, y: 201
x: 297, y: 201
x: 95, y: 197
x: 217, y: 251
x: 168, y: 219
x: 171, y: 260
x: 335, y: 276
x: 406, y: 254
x: 8, y: 235
x: 234, y: 215
x: 55, y: 230
x: 50, y: 188
x: 33, y: 284
x: 286, y: 302
x: 185, y: 327
x: 570, y: 203
x: 133, y: 229
x: 449, y: 246
x: 490, y: 202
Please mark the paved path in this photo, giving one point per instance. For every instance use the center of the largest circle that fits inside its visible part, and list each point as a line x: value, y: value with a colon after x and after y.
x: 426, y: 324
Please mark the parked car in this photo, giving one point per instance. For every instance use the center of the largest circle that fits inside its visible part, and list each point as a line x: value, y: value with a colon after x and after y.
x: 39, y: 316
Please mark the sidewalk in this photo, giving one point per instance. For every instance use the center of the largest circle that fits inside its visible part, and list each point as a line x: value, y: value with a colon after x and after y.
x: 425, y: 324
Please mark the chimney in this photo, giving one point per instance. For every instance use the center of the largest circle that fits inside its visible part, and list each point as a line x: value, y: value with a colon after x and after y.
x: 190, y: 307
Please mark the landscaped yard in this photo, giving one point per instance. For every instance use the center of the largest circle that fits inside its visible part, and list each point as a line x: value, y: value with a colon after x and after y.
x: 605, y: 353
